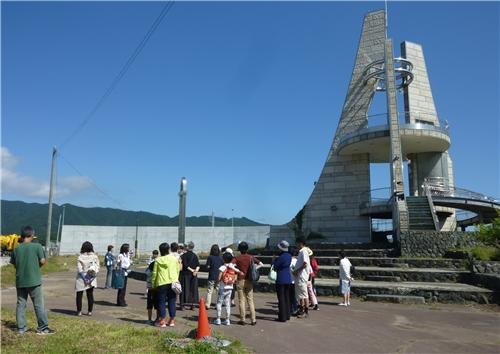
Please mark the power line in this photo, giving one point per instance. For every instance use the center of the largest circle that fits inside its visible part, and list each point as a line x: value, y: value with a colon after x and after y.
x: 92, y: 182
x: 166, y: 9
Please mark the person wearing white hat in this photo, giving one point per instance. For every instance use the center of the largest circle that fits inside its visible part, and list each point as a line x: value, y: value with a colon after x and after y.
x: 283, y: 280
x: 310, y: 290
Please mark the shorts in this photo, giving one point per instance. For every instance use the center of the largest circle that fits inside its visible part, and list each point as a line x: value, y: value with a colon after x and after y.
x: 152, y: 300
x: 345, y: 286
x: 301, y: 289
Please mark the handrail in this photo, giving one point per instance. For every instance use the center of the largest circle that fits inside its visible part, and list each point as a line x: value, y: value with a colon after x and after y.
x: 439, y: 186
x: 432, y: 207
x: 370, y: 199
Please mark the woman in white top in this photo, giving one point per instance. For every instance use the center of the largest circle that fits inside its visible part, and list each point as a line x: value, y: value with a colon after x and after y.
x: 86, y: 278
x: 345, y: 279
x: 124, y: 262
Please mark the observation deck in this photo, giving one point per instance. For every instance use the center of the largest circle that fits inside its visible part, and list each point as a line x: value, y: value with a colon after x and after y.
x: 375, y: 141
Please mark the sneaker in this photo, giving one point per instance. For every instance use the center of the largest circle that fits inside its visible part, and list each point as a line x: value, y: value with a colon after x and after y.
x: 253, y: 323
x: 89, y: 313
x: 45, y: 331
x: 348, y: 303
x: 342, y: 304
x: 316, y: 307
x: 242, y: 323
x: 217, y: 322
x: 171, y: 323
x: 21, y: 331
x: 79, y: 313
x: 227, y: 322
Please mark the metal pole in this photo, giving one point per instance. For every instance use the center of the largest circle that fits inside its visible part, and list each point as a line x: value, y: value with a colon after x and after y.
x: 136, y: 238
x: 51, y: 192
x: 182, y: 211
x: 232, y: 222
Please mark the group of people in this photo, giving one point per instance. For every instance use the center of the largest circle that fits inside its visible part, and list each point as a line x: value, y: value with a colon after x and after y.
x: 172, y: 274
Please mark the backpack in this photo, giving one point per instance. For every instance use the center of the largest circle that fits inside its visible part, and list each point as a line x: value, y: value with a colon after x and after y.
x: 253, y: 272
x: 229, y: 276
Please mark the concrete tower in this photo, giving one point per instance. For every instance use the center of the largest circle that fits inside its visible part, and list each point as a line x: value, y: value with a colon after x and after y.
x: 340, y: 207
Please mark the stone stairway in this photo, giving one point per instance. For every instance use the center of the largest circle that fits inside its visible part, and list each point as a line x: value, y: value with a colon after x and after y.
x: 420, y: 214
x: 379, y: 276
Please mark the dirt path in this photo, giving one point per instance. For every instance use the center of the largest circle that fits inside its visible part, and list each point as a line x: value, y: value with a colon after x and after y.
x: 364, y: 327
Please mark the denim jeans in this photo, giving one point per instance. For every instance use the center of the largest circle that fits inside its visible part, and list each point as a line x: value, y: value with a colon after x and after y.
x: 166, y: 296
x: 36, y: 295
x: 109, y: 275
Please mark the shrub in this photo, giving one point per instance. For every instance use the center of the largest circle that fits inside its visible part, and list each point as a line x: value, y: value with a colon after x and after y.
x: 486, y: 253
x: 490, y: 234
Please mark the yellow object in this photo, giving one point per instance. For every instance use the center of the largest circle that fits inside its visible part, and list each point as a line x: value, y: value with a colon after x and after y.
x: 9, y: 242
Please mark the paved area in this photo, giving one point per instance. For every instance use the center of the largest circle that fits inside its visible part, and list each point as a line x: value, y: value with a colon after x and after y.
x: 365, y: 327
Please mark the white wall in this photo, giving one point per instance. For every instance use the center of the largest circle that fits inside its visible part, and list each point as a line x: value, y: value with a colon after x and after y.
x: 150, y: 237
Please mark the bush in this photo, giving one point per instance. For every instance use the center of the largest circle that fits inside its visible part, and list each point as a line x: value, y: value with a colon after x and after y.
x: 490, y: 234
x: 486, y: 253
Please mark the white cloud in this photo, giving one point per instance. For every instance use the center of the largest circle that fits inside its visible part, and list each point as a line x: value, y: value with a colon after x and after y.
x: 14, y: 182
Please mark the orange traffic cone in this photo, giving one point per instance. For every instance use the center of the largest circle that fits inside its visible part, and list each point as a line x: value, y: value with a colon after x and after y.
x: 203, y: 326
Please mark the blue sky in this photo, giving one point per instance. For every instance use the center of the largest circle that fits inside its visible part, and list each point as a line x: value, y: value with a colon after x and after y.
x: 241, y: 98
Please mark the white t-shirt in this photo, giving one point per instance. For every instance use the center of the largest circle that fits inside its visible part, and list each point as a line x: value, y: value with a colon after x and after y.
x: 301, y: 259
x: 345, y: 269
x: 223, y: 268
x: 125, y: 262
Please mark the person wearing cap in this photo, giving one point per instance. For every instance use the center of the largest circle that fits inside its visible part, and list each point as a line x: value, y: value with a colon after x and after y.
x: 233, y: 294
x: 283, y: 280
x: 28, y: 258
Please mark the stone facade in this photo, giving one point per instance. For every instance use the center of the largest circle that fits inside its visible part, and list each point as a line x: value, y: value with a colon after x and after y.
x: 433, y: 243
x: 486, y: 267
x: 333, y: 207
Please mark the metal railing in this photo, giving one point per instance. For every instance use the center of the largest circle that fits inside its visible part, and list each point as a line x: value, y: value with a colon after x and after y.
x: 378, y: 122
x: 432, y: 207
x: 378, y: 196
x: 439, y: 187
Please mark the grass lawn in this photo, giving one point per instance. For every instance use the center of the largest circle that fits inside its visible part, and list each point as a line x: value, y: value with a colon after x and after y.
x: 88, y: 336
x: 54, y: 264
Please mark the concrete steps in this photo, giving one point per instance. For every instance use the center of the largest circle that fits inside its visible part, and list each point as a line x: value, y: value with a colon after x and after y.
x: 398, y: 299
x: 403, y: 274
x: 442, y: 263
x: 431, y: 291
x: 334, y: 252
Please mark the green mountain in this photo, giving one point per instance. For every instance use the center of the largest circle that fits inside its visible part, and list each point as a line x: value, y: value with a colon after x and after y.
x: 16, y: 214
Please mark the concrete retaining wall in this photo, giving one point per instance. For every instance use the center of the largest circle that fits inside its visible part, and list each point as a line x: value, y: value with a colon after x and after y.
x: 150, y: 237
x: 433, y: 243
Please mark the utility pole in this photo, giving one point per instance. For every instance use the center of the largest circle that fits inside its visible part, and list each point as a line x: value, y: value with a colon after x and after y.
x: 51, y: 193
x: 182, y: 211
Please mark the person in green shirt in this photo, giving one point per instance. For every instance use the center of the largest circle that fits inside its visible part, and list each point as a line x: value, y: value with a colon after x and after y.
x: 27, y: 258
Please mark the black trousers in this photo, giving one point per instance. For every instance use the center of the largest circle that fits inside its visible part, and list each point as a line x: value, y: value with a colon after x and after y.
x: 283, y: 292
x: 120, y: 297
x: 90, y: 299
